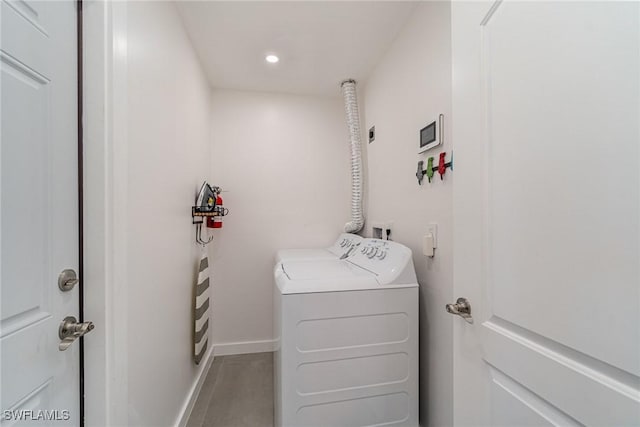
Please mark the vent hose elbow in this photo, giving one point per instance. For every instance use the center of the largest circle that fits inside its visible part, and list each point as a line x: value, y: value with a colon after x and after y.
x: 353, y: 123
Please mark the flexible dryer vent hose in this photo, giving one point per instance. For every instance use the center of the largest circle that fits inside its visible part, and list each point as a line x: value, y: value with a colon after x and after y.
x: 353, y: 122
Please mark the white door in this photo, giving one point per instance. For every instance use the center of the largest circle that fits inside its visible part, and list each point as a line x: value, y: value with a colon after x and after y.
x: 39, y: 210
x: 547, y: 211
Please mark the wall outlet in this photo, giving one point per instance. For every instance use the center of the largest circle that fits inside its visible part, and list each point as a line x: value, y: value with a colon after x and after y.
x: 381, y: 230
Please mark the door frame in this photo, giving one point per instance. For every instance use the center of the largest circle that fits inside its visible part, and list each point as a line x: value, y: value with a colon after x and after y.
x: 79, y: 106
x: 470, y: 397
x: 104, y: 39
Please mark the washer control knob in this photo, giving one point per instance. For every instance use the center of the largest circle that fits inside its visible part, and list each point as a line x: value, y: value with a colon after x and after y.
x: 363, y: 250
x: 382, y: 254
x: 372, y: 253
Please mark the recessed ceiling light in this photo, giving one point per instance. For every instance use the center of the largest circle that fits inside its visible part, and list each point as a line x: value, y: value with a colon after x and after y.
x: 272, y: 59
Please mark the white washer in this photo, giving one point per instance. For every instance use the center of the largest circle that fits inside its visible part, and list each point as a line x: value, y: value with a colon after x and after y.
x: 344, y: 243
x: 347, y: 345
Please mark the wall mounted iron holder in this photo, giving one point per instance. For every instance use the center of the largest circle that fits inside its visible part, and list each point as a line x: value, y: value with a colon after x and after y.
x: 206, y: 209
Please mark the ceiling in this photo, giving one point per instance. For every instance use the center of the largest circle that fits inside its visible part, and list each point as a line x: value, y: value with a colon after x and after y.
x: 319, y: 43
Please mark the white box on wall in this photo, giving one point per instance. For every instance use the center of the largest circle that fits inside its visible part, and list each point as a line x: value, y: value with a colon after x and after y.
x: 381, y: 230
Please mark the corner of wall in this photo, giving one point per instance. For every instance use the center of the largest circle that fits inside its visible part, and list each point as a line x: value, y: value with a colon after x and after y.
x: 408, y: 88
x: 192, y: 395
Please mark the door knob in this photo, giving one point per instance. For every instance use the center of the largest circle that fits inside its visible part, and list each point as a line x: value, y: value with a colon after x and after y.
x: 70, y: 330
x: 461, y: 308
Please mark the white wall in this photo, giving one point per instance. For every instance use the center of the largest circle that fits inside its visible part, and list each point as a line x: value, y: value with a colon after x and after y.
x: 168, y: 158
x: 406, y: 91
x: 284, y: 160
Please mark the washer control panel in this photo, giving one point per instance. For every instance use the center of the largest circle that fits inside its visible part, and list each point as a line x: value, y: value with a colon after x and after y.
x: 375, y: 249
x: 385, y: 258
x: 375, y: 252
x: 346, y: 243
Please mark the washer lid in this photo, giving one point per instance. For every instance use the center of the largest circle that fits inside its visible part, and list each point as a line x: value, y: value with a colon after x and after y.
x: 302, y: 254
x: 296, y: 277
x: 324, y: 269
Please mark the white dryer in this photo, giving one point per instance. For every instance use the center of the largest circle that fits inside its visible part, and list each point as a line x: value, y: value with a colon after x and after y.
x: 346, y: 242
x: 347, y: 345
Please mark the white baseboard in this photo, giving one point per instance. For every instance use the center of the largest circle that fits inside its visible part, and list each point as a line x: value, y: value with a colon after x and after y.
x: 187, y: 407
x: 243, y: 347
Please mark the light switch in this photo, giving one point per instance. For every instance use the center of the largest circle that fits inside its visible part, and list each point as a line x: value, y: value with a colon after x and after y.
x: 433, y: 230
x: 427, y: 245
x: 430, y: 240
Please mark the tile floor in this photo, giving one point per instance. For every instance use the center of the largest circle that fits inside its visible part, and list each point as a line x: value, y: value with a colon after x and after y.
x: 238, y: 392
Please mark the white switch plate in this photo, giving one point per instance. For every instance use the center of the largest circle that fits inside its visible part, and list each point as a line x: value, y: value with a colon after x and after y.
x: 433, y: 229
x: 430, y: 240
x: 427, y: 245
